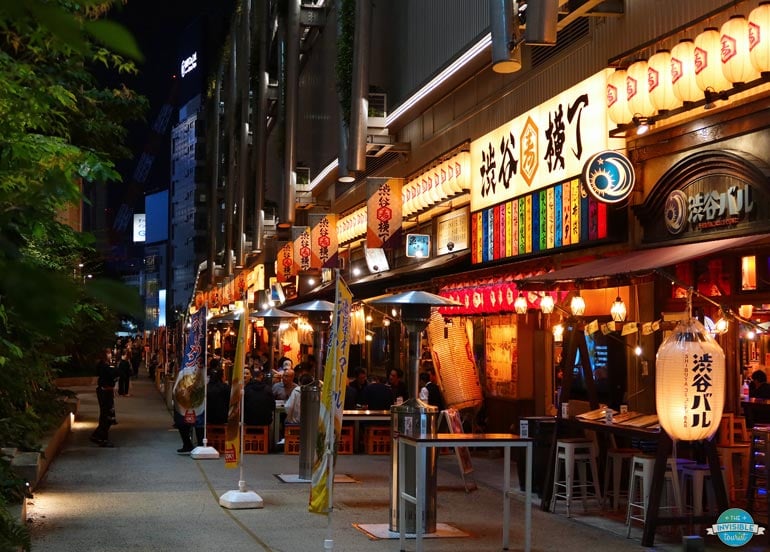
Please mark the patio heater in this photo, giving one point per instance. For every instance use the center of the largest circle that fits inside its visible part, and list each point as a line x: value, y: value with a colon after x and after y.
x: 319, y: 315
x: 273, y: 318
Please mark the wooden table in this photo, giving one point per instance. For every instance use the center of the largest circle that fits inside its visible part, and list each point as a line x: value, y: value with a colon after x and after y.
x: 357, y: 416
x: 422, y: 442
x: 756, y: 411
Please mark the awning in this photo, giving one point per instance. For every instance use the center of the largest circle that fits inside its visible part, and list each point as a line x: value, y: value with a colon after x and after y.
x: 629, y: 267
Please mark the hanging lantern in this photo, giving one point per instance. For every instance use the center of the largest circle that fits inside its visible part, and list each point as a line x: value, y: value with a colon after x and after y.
x: 558, y: 333
x: 659, y: 83
x: 708, y: 65
x: 690, y: 383
x: 745, y: 311
x: 577, y: 305
x: 547, y: 304
x: 683, y: 72
x: 520, y: 304
x: 736, y: 62
x: 618, y: 310
x: 637, y: 90
x: 759, y: 37
x: 617, y: 99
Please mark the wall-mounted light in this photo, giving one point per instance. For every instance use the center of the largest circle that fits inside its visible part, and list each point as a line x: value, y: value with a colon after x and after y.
x: 641, y: 123
x: 711, y: 96
x: 520, y: 304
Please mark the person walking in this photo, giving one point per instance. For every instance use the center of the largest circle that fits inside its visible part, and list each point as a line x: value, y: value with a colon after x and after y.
x: 105, y: 394
x: 124, y: 373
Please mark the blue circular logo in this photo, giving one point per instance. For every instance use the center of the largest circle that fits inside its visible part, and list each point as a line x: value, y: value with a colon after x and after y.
x: 609, y: 177
x: 735, y: 527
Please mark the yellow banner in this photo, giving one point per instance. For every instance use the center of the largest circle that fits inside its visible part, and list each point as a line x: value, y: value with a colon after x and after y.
x: 332, y: 399
x: 233, y: 431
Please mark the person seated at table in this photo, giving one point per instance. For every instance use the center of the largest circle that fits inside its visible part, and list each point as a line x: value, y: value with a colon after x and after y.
x: 258, y: 401
x: 293, y: 403
x: 397, y: 385
x: 377, y: 395
x: 217, y: 398
x: 430, y: 391
x: 759, y: 389
x: 355, y: 391
x: 285, y: 386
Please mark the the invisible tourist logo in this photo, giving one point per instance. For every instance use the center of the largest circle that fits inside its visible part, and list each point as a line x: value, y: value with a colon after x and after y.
x: 735, y: 527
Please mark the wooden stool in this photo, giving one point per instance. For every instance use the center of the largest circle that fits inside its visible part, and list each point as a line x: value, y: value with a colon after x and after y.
x: 256, y: 440
x: 570, y: 453
x: 215, y: 436
x: 377, y: 439
x: 728, y: 454
x: 291, y: 439
x: 642, y: 467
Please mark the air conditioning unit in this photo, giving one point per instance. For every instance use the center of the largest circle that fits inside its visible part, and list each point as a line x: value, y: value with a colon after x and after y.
x: 378, y: 110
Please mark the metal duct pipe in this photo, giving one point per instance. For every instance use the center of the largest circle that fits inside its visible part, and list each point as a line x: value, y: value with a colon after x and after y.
x: 259, y: 123
x: 290, y: 117
x: 214, y: 163
x: 506, y: 58
x: 230, y: 100
x: 359, y: 97
x: 244, y: 48
x: 343, y: 174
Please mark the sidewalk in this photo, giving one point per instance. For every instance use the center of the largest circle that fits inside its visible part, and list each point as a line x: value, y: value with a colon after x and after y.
x: 143, y: 496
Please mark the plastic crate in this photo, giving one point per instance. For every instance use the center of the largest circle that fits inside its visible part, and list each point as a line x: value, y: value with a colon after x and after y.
x: 378, y: 440
x: 291, y: 439
x: 215, y: 436
x: 255, y: 439
x: 345, y: 444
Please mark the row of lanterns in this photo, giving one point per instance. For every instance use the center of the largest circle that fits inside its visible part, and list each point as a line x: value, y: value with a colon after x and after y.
x: 451, y: 177
x: 713, y: 62
x: 577, y: 306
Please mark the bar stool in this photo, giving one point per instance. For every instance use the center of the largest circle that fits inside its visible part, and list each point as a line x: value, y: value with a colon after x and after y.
x: 569, y: 453
x: 728, y: 455
x: 640, y: 481
x: 616, y: 457
x: 696, y: 475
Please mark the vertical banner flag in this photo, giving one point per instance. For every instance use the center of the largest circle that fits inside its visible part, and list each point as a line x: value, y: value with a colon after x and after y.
x: 233, y: 430
x: 301, y: 238
x: 332, y: 399
x: 189, y: 387
x: 383, y: 212
x: 323, y: 240
x: 284, y: 263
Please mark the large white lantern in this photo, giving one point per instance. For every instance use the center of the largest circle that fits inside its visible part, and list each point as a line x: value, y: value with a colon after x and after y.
x: 659, y: 82
x: 708, y: 64
x: 683, y: 72
x: 690, y: 383
x: 637, y: 90
x: 759, y: 37
x: 736, y: 63
x: 617, y: 100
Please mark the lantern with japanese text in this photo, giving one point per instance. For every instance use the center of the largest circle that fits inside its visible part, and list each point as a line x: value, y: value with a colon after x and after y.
x: 617, y: 100
x: 659, y: 82
x: 708, y: 64
x: 637, y: 90
x: 683, y: 72
x: 690, y: 382
x: 759, y: 37
x: 736, y: 62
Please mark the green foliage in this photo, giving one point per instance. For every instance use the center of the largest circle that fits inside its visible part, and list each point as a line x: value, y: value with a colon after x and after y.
x: 12, y: 535
x: 344, y: 63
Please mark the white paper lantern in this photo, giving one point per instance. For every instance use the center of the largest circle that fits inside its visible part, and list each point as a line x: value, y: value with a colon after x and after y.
x: 734, y: 40
x: 617, y: 98
x: 637, y: 90
x: 659, y: 82
x: 683, y: 72
x: 690, y: 383
x: 759, y: 37
x: 708, y: 65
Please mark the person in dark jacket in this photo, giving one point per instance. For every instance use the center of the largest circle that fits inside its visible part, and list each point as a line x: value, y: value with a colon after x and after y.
x: 124, y: 373
x: 431, y: 392
x: 759, y: 389
x: 217, y: 399
x: 376, y: 395
x: 105, y: 394
x: 258, y: 401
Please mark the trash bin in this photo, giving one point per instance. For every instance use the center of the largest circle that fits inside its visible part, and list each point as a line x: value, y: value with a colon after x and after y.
x: 540, y: 429
x: 309, y: 406
x: 413, y: 417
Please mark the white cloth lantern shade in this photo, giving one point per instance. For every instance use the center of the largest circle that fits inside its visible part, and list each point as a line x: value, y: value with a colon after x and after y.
x: 690, y: 383
x: 759, y: 37
x: 637, y: 90
x: 734, y: 40
x: 659, y: 83
x: 617, y: 99
x: 708, y: 64
x: 683, y: 72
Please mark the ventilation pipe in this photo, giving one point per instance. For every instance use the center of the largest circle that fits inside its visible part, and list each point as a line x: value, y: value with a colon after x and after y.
x: 259, y: 124
x: 214, y: 163
x: 506, y: 56
x: 290, y: 117
x: 542, y: 20
x: 359, y: 97
x: 230, y: 101
x: 343, y: 174
x: 244, y: 47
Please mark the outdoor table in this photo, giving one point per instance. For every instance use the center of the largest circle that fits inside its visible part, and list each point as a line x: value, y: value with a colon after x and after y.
x: 756, y: 411
x: 421, y: 442
x: 357, y: 416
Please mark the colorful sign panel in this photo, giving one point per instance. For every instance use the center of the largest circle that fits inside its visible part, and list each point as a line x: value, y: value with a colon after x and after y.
x: 383, y: 212
x: 551, y: 218
x: 545, y: 145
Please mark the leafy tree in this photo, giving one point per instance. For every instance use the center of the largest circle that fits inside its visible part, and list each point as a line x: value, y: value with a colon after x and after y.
x: 59, y: 127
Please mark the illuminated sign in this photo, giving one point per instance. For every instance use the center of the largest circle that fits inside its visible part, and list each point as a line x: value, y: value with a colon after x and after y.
x: 452, y: 232
x: 707, y: 209
x: 188, y: 64
x: 140, y: 227
x: 609, y: 177
x: 418, y: 245
x: 543, y: 146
